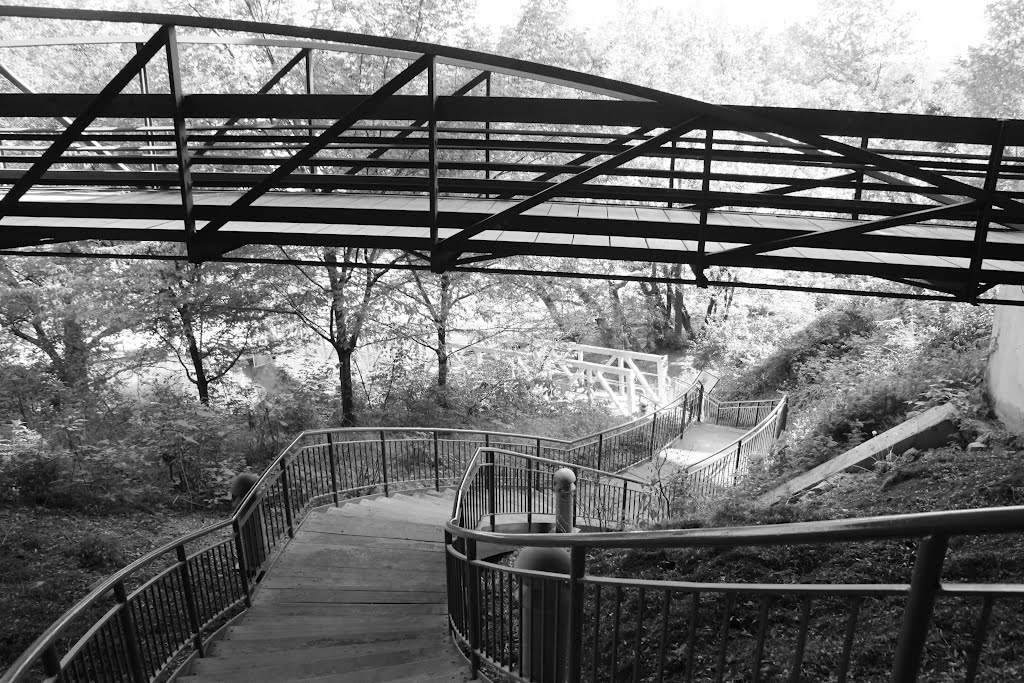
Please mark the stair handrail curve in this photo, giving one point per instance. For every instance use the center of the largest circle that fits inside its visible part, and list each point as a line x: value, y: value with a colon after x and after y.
x: 595, y: 620
x: 211, y: 573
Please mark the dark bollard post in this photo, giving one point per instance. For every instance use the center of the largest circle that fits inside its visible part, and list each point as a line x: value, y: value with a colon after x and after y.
x: 545, y: 601
x: 574, y: 630
x: 544, y: 608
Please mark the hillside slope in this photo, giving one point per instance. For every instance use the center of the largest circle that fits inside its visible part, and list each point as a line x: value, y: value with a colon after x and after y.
x: 948, y: 478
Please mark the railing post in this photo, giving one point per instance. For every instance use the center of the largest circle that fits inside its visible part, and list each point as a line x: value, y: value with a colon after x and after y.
x: 490, y: 487
x: 700, y: 401
x: 384, y: 461
x: 131, y: 638
x: 287, y: 499
x: 565, y: 484
x: 924, y: 584
x: 529, y: 496
x: 334, y: 468
x: 600, y: 449
x: 654, y: 435
x: 243, y: 570
x: 736, y: 470
x: 625, y: 498
x: 190, y: 599
x: 574, y: 625
x: 51, y: 661
x: 473, y: 598
x: 780, y: 421
x: 437, y: 465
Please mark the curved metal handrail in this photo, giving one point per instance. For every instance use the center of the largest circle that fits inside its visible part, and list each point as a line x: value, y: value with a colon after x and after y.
x: 487, y: 597
x: 47, y: 638
x: 992, y: 520
x: 475, y: 464
x: 262, y: 522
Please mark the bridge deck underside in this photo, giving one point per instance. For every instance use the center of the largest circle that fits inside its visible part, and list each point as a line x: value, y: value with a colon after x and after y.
x: 936, y: 252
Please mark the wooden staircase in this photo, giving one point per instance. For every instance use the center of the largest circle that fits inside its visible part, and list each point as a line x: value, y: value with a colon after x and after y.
x: 358, y: 595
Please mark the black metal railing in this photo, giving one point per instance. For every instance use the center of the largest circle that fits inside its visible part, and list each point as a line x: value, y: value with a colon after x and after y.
x: 765, y: 420
x: 139, y: 624
x: 599, y: 627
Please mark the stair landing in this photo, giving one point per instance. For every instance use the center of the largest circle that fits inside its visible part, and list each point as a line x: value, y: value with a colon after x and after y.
x: 358, y: 595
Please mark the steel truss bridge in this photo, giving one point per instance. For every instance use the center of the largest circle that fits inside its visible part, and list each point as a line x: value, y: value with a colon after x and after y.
x: 469, y: 161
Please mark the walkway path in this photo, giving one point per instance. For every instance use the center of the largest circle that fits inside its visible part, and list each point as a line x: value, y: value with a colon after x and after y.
x: 357, y: 596
x: 698, y: 442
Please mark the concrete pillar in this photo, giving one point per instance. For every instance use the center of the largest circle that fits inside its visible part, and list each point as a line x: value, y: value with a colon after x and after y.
x: 1005, y: 373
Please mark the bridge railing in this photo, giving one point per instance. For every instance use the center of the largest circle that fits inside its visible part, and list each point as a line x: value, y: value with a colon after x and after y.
x: 142, y: 621
x: 596, y: 625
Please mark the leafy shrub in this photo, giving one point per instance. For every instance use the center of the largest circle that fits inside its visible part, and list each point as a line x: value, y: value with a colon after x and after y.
x: 99, y: 550
x: 864, y: 368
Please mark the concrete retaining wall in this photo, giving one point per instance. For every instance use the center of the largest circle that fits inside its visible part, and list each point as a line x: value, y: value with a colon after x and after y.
x: 1005, y: 373
x: 930, y: 429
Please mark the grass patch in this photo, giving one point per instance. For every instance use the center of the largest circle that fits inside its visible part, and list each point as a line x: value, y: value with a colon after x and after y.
x: 50, y: 559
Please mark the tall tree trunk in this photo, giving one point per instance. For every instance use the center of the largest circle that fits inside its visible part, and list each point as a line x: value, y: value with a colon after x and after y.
x: 195, y: 354
x: 444, y: 309
x: 348, y: 404
x: 74, y: 370
x: 442, y: 357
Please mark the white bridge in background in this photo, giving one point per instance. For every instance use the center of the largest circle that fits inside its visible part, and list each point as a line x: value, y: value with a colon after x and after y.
x: 628, y: 379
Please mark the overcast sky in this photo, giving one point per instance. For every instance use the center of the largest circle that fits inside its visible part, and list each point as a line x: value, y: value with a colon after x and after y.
x: 944, y: 27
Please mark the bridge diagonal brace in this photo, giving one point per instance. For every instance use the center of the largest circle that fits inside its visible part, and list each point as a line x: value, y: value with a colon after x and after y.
x: 266, y: 88
x: 865, y: 156
x: 818, y: 237
x: 951, y: 288
x: 82, y: 121
x: 449, y: 249
x: 995, y: 163
x: 381, y: 151
x: 63, y: 120
x: 304, y: 155
x: 619, y: 143
x: 810, y: 184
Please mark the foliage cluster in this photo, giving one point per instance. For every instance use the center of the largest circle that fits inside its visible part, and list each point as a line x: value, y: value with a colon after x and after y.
x: 164, y: 447
x: 864, y: 366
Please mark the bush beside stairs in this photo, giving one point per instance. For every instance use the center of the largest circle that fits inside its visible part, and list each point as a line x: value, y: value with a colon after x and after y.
x: 358, y: 595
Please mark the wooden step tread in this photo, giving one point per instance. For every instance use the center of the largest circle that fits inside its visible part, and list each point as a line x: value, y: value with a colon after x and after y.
x: 272, y: 611
x: 310, y: 655
x: 453, y: 671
